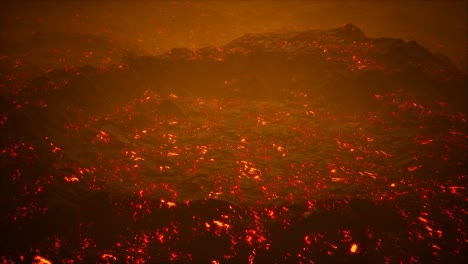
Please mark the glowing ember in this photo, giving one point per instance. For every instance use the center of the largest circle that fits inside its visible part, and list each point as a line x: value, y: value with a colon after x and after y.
x: 71, y: 179
x: 41, y: 260
x: 353, y: 248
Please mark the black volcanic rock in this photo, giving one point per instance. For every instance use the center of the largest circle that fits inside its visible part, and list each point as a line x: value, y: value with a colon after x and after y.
x: 296, y: 41
x: 357, y: 66
x: 341, y: 64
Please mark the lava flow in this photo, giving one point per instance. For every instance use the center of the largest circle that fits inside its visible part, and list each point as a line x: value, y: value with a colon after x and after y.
x: 316, y: 146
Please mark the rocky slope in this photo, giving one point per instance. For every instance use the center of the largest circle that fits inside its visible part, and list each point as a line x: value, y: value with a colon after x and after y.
x: 340, y: 67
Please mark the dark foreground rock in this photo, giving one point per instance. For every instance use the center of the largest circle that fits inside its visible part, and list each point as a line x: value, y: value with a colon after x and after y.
x: 212, y: 229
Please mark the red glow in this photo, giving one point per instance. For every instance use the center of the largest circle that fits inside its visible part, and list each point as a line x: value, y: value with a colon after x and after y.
x: 353, y: 248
